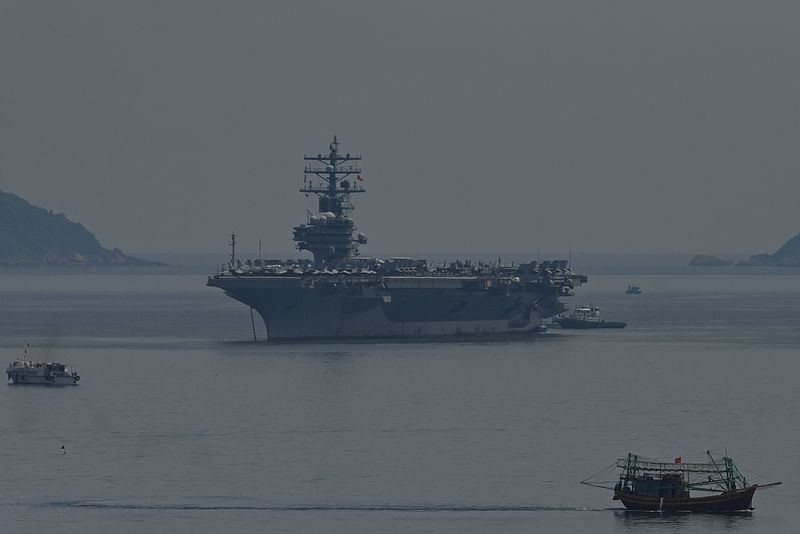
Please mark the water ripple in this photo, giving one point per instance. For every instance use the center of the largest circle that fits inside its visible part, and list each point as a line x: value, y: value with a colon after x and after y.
x: 105, y: 505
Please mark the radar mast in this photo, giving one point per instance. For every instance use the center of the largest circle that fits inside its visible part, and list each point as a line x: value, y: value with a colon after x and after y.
x: 329, y: 235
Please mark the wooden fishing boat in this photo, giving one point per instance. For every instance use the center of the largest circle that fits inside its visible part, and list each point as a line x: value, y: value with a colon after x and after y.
x: 657, y: 486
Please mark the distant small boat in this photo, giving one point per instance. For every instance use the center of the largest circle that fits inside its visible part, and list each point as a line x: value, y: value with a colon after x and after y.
x: 656, y: 486
x: 42, y: 373
x: 29, y: 372
x: 585, y: 317
x: 634, y: 290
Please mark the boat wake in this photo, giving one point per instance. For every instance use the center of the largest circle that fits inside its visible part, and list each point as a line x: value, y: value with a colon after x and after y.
x: 107, y: 505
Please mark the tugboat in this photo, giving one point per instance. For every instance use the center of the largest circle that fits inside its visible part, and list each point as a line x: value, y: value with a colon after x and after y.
x: 633, y: 290
x: 657, y: 486
x: 28, y: 372
x: 585, y: 317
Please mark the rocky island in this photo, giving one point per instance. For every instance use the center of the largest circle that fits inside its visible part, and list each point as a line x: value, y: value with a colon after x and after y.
x: 786, y: 256
x: 705, y: 260
x: 34, y: 236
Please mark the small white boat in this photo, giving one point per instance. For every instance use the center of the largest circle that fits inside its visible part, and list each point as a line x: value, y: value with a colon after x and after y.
x: 42, y: 373
x: 30, y: 372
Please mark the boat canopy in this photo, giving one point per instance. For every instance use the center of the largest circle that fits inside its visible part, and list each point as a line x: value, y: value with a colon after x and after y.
x: 715, y: 475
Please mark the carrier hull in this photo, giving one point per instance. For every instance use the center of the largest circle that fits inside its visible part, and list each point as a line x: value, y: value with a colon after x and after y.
x: 294, y: 313
x: 340, y: 294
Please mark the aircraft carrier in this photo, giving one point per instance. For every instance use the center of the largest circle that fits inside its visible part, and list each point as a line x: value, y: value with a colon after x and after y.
x: 340, y: 294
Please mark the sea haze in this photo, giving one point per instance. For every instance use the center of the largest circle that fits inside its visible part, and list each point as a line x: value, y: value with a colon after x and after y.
x: 183, y: 424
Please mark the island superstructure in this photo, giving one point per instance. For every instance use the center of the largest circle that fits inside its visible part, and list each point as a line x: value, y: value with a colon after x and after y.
x: 340, y: 294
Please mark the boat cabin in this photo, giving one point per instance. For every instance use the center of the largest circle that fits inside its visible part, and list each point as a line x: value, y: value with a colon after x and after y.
x: 586, y: 313
x: 667, y: 485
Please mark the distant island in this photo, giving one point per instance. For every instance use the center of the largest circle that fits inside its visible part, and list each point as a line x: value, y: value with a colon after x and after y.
x: 786, y: 256
x: 705, y: 260
x: 32, y: 236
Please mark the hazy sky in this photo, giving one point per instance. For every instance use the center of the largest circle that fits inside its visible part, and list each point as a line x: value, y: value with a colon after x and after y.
x: 485, y: 126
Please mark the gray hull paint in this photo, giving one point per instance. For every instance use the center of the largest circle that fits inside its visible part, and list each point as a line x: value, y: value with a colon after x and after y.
x: 292, y: 312
x: 37, y: 379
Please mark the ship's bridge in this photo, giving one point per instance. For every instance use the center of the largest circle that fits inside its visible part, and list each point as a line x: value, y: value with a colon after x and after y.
x: 329, y: 234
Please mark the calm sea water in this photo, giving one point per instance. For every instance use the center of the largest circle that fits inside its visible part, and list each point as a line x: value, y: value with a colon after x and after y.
x: 183, y: 424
